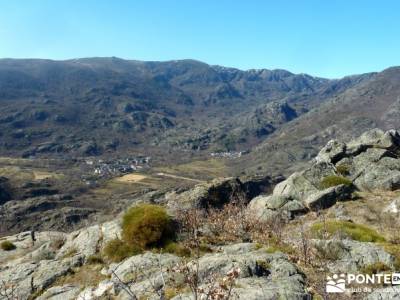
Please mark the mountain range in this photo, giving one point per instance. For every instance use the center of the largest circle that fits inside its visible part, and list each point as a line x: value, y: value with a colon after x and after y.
x: 179, y: 109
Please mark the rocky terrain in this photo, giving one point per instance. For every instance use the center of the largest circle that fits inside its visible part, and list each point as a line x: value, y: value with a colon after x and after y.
x: 271, y: 238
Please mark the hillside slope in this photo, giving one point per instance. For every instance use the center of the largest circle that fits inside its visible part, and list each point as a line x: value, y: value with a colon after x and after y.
x: 97, y: 106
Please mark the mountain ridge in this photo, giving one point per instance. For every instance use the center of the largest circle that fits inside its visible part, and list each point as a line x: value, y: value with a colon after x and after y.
x: 172, y: 110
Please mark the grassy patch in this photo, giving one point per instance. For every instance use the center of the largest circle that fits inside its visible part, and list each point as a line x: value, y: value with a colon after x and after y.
x: 333, y: 180
x: 117, y: 250
x: 357, y: 232
x: 87, y: 275
x: 70, y: 253
x: 95, y: 260
x: 375, y: 268
x: 279, y: 246
x: 199, y: 169
x: 394, y: 250
x: 343, y: 169
x: 178, y: 249
x: 7, y: 246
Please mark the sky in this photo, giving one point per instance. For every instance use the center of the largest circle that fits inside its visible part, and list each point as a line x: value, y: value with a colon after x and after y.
x: 325, y: 38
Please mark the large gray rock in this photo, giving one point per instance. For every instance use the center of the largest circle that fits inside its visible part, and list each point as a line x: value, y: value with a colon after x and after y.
x: 37, y: 264
x: 375, y: 138
x: 332, y: 152
x: 295, y: 187
x: 328, y: 197
x: 65, y: 292
x: 385, y: 293
x: 300, y: 192
x: 145, y: 268
x: 393, y: 207
x: 216, y: 193
x: 372, y: 172
x: 351, y: 256
x: 371, y: 162
x: 90, y: 240
x: 30, y: 277
x: 263, y: 275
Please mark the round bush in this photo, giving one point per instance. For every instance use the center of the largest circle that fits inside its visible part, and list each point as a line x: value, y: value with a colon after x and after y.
x: 7, y: 246
x: 147, y: 226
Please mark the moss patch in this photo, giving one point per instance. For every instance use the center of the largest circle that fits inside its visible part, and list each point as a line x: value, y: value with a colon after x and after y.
x: 333, y: 180
x: 357, y: 232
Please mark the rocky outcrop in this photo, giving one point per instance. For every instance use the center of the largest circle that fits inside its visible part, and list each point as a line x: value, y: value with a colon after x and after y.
x: 35, y: 268
x: 65, y: 292
x: 393, y: 207
x: 219, y: 192
x: 301, y: 192
x: 263, y: 275
x: 57, y: 212
x: 41, y: 258
x: 370, y: 162
x: 30, y: 277
x: 351, y: 256
x: 385, y: 293
x: 328, y: 197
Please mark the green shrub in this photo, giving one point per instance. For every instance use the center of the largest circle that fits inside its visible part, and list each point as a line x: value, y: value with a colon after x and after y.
x: 146, y: 226
x: 343, y: 169
x: 95, y: 260
x: 275, y: 245
x: 357, y: 232
x: 177, y: 249
x: 117, y: 250
x: 334, y: 180
x: 7, y: 246
x: 375, y: 268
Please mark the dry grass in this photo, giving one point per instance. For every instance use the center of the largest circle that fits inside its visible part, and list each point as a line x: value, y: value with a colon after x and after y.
x: 200, y: 169
x: 23, y: 174
x: 129, y: 178
x: 87, y: 275
x: 41, y: 175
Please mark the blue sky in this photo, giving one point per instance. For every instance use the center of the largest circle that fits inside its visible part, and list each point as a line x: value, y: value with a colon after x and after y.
x: 325, y: 38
